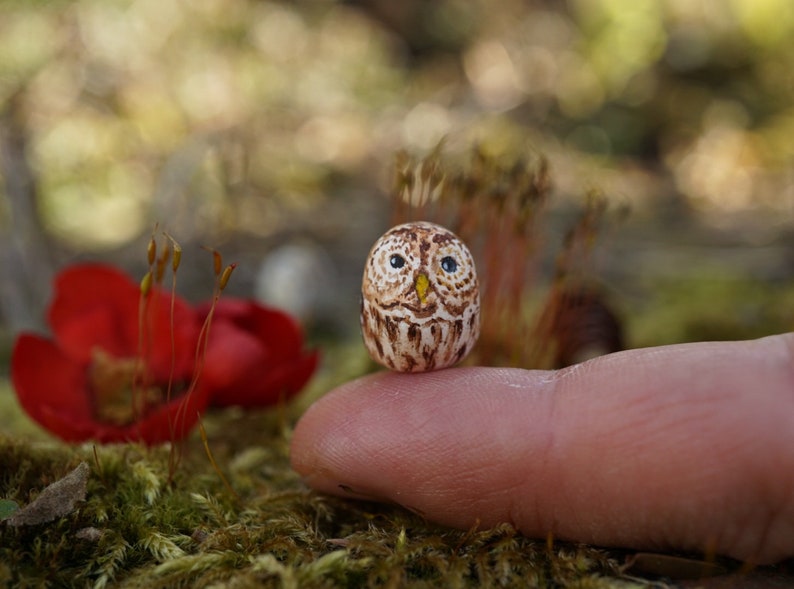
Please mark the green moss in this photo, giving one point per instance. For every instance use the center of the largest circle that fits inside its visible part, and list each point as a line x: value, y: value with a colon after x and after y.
x: 137, y: 529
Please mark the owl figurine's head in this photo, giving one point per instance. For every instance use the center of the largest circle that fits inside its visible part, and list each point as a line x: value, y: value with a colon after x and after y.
x: 420, y: 307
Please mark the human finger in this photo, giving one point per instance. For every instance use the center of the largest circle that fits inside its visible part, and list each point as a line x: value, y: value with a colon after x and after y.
x: 687, y: 446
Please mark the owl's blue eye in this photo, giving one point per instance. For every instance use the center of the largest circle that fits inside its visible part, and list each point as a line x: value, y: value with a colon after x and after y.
x: 449, y: 264
x: 397, y: 261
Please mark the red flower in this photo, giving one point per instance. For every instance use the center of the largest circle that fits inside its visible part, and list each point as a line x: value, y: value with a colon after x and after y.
x: 98, y: 379
x: 257, y: 355
x: 120, y: 367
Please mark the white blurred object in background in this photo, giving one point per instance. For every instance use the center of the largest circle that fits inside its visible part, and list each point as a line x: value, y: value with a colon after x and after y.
x: 299, y: 278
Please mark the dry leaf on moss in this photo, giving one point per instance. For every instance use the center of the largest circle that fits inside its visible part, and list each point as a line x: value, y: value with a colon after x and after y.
x: 56, y: 500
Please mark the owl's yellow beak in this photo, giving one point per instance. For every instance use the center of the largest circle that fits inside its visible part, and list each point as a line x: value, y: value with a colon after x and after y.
x: 421, y: 286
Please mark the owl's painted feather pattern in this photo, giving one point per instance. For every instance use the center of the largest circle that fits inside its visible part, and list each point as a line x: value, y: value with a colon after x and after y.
x: 420, y: 307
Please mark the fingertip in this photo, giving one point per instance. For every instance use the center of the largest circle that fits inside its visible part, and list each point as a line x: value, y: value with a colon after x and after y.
x: 437, y: 440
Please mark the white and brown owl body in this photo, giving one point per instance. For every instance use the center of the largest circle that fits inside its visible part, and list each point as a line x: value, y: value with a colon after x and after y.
x: 420, y: 307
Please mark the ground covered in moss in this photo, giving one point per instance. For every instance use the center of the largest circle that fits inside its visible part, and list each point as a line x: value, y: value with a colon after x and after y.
x: 137, y: 529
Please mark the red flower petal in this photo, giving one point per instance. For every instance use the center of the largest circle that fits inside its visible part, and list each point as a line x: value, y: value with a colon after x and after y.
x: 280, y: 383
x: 233, y: 359
x: 254, y: 356
x: 52, y: 388
x: 172, y: 421
x: 97, y: 306
x: 274, y: 328
x: 48, y: 382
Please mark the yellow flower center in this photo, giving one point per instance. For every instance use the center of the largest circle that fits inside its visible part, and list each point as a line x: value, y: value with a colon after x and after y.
x: 121, y: 394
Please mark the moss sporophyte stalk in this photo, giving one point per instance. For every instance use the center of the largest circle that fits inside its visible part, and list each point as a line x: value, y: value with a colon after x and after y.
x: 499, y: 209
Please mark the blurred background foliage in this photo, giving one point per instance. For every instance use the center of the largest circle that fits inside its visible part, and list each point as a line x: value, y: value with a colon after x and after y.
x: 268, y: 130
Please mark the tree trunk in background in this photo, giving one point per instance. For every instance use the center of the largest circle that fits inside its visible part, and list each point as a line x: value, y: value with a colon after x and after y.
x: 25, y: 256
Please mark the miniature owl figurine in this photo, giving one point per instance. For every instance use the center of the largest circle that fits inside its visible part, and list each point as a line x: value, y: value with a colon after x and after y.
x: 420, y: 307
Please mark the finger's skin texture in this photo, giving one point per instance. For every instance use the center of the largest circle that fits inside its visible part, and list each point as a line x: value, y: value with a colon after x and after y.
x: 687, y: 447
